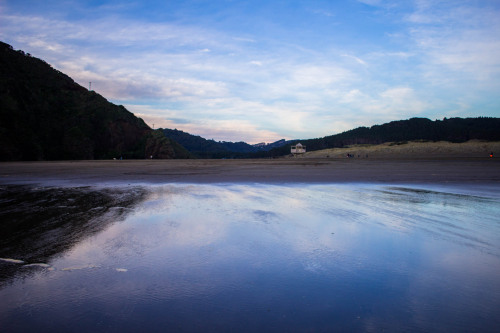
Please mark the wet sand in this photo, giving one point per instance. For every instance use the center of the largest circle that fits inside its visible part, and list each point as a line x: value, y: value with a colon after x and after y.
x: 292, y: 170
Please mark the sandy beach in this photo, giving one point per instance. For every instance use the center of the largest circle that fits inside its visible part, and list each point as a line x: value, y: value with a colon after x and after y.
x: 292, y: 170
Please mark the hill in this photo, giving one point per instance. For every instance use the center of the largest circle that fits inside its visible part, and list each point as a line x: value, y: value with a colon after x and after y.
x: 452, y: 130
x: 204, y: 148
x: 411, y: 150
x: 45, y: 115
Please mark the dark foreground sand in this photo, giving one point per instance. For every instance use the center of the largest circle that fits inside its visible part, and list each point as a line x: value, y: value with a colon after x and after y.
x: 272, y: 171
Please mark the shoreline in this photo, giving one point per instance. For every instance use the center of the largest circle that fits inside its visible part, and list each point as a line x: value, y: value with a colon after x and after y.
x: 267, y: 171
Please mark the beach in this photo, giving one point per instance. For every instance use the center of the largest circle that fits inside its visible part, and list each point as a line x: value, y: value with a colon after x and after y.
x: 291, y: 257
x: 301, y: 244
x: 482, y: 170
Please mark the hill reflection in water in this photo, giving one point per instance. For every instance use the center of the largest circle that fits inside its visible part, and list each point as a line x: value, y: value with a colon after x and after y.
x: 243, y: 257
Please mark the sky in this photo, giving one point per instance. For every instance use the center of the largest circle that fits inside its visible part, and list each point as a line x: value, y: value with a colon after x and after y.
x: 263, y: 70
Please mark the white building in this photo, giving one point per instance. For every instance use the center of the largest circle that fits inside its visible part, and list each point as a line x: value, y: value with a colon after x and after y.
x: 298, y: 149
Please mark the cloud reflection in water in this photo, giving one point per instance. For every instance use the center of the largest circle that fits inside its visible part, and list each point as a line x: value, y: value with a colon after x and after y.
x: 279, y: 257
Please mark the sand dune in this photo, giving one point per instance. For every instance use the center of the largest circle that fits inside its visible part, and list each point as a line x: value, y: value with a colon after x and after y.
x: 412, y: 149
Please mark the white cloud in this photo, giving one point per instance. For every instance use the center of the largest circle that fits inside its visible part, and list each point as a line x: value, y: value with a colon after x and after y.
x: 358, y: 60
x: 371, y: 2
x: 323, y: 12
x: 400, y: 54
x: 255, y: 62
x: 318, y: 76
x: 244, y: 39
x: 401, y: 99
x: 225, y: 84
x: 463, y: 39
x: 219, y: 130
x: 352, y: 96
x: 365, y: 108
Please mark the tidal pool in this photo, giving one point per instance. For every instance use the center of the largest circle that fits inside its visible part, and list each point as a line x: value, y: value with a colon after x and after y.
x: 250, y: 257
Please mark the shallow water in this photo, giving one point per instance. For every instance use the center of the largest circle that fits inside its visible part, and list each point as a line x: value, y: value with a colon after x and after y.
x: 252, y: 258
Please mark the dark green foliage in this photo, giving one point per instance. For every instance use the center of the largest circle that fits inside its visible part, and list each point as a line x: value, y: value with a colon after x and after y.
x: 204, y: 148
x: 45, y: 115
x: 453, y: 130
x: 159, y: 146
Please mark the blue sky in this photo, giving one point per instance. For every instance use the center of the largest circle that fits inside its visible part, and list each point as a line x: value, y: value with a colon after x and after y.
x: 259, y: 71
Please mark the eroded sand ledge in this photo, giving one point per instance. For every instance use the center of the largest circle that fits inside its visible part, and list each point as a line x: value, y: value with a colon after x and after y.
x: 273, y: 171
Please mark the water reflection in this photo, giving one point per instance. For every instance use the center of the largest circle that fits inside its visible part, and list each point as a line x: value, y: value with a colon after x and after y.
x: 38, y: 224
x: 268, y: 258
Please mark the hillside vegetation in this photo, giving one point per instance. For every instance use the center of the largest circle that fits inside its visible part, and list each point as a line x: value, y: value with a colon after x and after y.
x: 45, y: 115
x: 412, y: 150
x: 452, y: 130
x: 204, y: 148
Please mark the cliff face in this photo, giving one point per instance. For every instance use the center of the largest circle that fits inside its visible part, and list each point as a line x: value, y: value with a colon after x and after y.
x: 45, y: 115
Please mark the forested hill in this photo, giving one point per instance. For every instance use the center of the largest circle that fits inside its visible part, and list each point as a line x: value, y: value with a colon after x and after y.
x: 45, y: 115
x: 452, y: 129
x: 204, y: 148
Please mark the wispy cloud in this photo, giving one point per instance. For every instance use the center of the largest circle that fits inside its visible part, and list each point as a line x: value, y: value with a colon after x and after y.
x: 358, y: 60
x: 371, y: 2
x: 464, y: 39
x: 228, y: 130
x: 229, y: 76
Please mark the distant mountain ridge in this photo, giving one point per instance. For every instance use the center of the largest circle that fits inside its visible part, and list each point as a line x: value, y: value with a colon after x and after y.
x: 204, y: 148
x: 452, y: 129
x: 45, y: 115
x: 448, y: 129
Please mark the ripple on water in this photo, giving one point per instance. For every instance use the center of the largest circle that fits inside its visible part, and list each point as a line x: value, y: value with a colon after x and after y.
x: 238, y: 257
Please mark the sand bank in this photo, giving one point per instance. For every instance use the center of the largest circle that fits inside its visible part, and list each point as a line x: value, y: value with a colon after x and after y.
x: 294, y: 170
x: 412, y: 149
